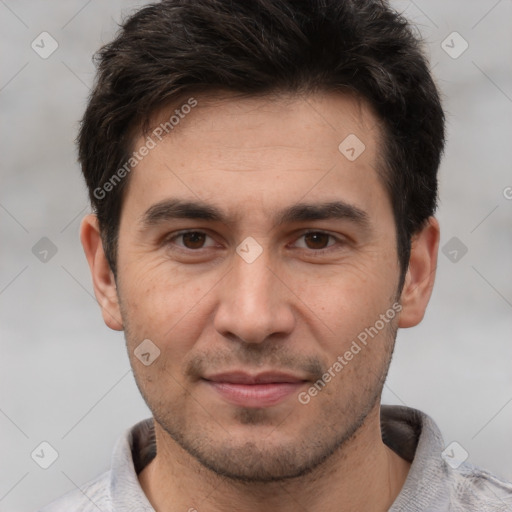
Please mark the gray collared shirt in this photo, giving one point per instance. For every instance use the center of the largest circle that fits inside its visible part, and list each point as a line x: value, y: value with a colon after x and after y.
x: 436, y: 482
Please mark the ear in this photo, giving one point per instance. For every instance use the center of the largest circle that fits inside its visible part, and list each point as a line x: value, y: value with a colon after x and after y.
x: 421, y: 274
x: 103, y: 279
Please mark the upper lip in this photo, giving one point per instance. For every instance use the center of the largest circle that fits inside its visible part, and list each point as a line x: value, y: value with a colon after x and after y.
x: 239, y: 377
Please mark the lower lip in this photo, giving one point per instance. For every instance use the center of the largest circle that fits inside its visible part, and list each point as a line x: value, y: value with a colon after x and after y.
x: 255, y: 395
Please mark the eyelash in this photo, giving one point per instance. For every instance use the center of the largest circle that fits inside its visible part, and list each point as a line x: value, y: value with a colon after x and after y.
x: 338, y: 241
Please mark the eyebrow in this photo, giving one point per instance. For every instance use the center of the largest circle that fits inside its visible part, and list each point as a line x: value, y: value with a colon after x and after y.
x: 170, y: 209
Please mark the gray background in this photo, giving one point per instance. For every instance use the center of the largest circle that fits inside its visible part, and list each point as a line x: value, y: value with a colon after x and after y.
x: 65, y: 377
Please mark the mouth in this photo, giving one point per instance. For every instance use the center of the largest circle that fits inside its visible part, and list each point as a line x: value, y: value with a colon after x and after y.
x: 259, y: 390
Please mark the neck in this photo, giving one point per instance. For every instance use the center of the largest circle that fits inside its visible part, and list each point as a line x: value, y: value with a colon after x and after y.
x: 364, y: 474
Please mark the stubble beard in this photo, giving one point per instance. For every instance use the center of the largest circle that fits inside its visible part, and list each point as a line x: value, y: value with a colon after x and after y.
x: 258, y: 460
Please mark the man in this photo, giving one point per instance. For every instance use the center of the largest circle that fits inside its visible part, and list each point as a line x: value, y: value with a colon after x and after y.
x: 263, y: 178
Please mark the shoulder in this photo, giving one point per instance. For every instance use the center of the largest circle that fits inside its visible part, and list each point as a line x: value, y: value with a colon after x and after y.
x: 118, y: 488
x: 437, y: 480
x: 90, y: 497
x: 473, y: 488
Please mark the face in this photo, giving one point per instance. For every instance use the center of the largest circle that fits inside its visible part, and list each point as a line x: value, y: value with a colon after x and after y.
x: 272, y: 297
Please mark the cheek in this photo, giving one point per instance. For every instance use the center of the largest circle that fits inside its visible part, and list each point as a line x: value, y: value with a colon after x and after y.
x: 168, y: 310
x: 348, y: 299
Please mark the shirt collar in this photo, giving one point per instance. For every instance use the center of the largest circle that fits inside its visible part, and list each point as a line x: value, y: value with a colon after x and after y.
x: 133, y: 451
x: 416, y: 438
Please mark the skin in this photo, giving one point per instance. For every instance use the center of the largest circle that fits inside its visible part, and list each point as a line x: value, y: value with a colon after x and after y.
x: 295, y: 308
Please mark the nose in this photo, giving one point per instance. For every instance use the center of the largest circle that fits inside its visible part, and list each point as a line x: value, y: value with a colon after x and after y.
x: 255, y: 302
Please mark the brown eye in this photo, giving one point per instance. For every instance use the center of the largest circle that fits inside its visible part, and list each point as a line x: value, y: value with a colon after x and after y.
x: 193, y: 239
x: 317, y: 240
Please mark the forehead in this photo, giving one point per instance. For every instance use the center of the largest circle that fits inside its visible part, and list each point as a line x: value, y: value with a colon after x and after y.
x: 229, y: 146
x: 268, y: 116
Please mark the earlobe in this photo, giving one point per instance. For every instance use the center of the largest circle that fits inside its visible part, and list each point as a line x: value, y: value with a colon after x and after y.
x: 419, y: 280
x: 103, y: 279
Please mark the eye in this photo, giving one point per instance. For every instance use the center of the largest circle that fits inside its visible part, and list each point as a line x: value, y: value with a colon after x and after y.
x: 317, y: 240
x: 192, y: 240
